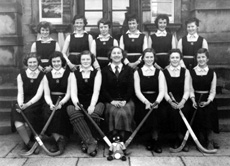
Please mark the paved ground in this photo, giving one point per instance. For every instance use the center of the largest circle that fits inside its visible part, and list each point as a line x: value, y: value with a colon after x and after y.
x: 10, y: 148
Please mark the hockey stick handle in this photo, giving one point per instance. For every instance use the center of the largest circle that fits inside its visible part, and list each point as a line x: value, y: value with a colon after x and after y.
x: 129, y: 140
x: 95, y: 125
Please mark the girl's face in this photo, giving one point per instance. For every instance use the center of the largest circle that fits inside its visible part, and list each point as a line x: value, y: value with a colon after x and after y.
x: 56, y: 63
x: 192, y: 28
x: 202, y: 60
x: 148, y: 58
x: 32, y: 63
x: 162, y: 24
x: 86, y: 60
x: 104, y: 29
x: 174, y: 59
x: 116, y: 55
x: 45, y: 32
x: 79, y: 24
x: 132, y: 25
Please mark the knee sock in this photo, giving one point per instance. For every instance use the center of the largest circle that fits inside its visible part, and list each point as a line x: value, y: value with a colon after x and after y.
x: 81, y: 127
x: 22, y: 131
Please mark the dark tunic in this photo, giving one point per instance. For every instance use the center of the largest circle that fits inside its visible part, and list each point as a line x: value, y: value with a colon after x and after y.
x: 162, y: 44
x: 133, y: 45
x: 120, y: 88
x: 60, y: 123
x: 77, y: 45
x: 190, y: 49
x: 33, y: 112
x: 102, y: 49
x: 206, y: 117
x: 147, y: 83
x: 44, y: 50
x: 176, y: 87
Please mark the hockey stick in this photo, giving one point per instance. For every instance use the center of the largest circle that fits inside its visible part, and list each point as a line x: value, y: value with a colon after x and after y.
x: 201, y: 148
x: 105, y: 138
x: 36, y: 136
x: 187, y: 132
x: 129, y: 140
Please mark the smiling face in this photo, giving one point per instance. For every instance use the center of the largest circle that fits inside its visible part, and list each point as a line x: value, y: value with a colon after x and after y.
x: 132, y: 25
x: 45, y: 32
x: 79, y: 24
x: 202, y: 60
x: 116, y: 55
x: 86, y: 60
x: 162, y: 24
x: 148, y: 58
x: 192, y: 28
x: 56, y: 63
x: 174, y: 59
x: 104, y: 29
x: 32, y: 63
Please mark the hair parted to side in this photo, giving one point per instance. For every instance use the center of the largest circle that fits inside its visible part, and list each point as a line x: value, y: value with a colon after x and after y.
x: 151, y: 50
x: 79, y: 17
x: 131, y: 17
x: 56, y: 54
x: 123, y: 52
x: 203, y: 51
x: 104, y: 21
x: 31, y: 55
x: 44, y: 24
x: 87, y: 52
x: 193, y: 19
x: 163, y: 17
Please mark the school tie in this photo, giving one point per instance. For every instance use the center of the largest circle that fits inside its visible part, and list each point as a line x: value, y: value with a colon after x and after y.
x: 116, y: 71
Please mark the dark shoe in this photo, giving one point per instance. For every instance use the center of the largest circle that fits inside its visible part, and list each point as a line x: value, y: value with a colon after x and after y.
x: 186, y: 148
x: 216, y: 145
x: 210, y: 145
x: 123, y: 158
x: 176, y: 144
x: 93, y: 154
x: 110, y: 158
x: 53, y: 148
x: 30, y: 145
x: 61, y: 144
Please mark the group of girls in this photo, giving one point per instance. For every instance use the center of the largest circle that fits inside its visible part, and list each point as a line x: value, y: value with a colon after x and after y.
x: 118, y: 82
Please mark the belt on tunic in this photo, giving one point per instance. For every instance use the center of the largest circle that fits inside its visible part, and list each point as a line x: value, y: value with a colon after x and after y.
x: 133, y: 54
x: 74, y: 53
x: 162, y: 53
x: 201, y: 92
x: 148, y: 92
x: 44, y: 60
x: 57, y: 93
x: 102, y: 58
x: 188, y: 56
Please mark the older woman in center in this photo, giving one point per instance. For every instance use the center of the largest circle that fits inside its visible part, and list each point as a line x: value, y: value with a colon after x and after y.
x: 149, y: 84
x: 117, y: 89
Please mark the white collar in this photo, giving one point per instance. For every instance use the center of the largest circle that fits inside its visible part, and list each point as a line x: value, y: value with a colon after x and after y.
x: 104, y: 37
x: 81, y: 69
x: 30, y: 71
x: 136, y: 33
x: 195, y: 35
x: 175, y: 68
x: 146, y: 68
x: 119, y: 66
x: 56, y: 72
x: 199, y: 69
x: 46, y: 41
x: 161, y: 33
x: 75, y: 32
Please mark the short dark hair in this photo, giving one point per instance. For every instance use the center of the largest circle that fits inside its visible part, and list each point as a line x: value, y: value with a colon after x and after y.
x: 31, y: 55
x: 104, y: 21
x: 175, y: 50
x: 193, y: 19
x: 163, y: 17
x: 86, y: 52
x: 203, y: 51
x: 56, y: 54
x: 131, y: 17
x: 149, y: 50
x: 122, y: 51
x: 80, y: 17
x: 44, y: 24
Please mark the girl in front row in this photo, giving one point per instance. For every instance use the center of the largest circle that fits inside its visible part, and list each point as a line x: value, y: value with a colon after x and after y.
x: 204, y: 83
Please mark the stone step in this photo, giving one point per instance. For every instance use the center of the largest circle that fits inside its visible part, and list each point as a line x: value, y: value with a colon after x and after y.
x: 224, y: 112
x: 8, y: 89
x: 5, y: 127
x: 7, y: 101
